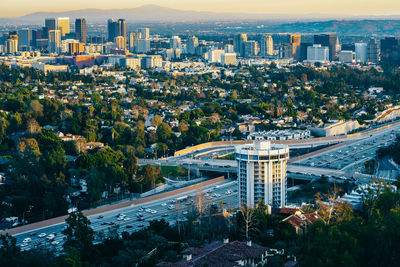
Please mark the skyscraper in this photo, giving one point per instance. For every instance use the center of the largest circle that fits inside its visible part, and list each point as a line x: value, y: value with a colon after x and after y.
x: 191, y: 45
x: 295, y: 41
x: 361, y: 50
x: 267, y: 46
x: 238, y: 43
x: 390, y: 47
x: 112, y: 27
x: 120, y: 42
x: 262, y: 173
x: 51, y: 24
x: 250, y: 48
x: 63, y: 26
x: 80, y: 30
x: 328, y: 40
x: 144, y: 33
x: 133, y: 36
x: 116, y: 28
x: 175, y: 42
x: 122, y: 28
x: 24, y: 39
x: 373, y: 51
x: 54, y: 41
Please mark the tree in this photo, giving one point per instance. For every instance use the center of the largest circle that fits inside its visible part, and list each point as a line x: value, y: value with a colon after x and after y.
x: 248, y: 217
x: 33, y: 127
x: 79, y: 234
x: 157, y: 120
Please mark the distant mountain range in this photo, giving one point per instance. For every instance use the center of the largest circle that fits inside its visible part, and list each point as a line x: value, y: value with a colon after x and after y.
x: 154, y: 13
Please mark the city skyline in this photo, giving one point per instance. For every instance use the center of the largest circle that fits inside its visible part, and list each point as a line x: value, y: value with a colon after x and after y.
x: 340, y: 7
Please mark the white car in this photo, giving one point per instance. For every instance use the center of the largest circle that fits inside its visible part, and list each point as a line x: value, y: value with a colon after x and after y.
x: 127, y: 219
x: 171, y: 207
x: 42, y: 235
x: 164, y: 204
x: 23, y: 245
x: 148, y: 210
x: 55, y: 243
x: 27, y: 240
x: 185, y: 212
x: 153, y: 212
x: 50, y: 237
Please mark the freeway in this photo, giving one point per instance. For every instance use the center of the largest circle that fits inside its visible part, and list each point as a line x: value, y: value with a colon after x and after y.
x: 135, y: 217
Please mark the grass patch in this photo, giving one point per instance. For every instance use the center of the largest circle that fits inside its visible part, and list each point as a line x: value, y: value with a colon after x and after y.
x: 175, y: 171
x: 228, y: 157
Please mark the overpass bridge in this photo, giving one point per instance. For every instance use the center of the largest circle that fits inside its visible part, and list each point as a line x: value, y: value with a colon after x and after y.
x: 230, y: 167
x: 208, y: 148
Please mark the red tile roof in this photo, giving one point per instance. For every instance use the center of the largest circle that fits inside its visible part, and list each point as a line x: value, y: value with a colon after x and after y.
x: 218, y: 254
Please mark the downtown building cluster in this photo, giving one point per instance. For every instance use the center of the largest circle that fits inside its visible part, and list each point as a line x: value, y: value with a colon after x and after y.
x: 58, y: 38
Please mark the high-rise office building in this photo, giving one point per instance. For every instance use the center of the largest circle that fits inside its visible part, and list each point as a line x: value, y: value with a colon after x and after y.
x: 116, y: 28
x: 24, y: 39
x: 373, y: 51
x: 228, y: 59
x: 262, y: 173
x: 51, y: 24
x: 142, y: 45
x: 63, y: 26
x: 327, y: 40
x: 120, y: 43
x: 144, y: 33
x: 175, y: 42
x: 36, y: 34
x: 133, y: 37
x: 317, y: 53
x: 122, y: 28
x: 266, y: 46
x: 112, y: 27
x: 250, y: 49
x: 80, y: 30
x: 191, y: 45
x: 361, y: 50
x: 347, y: 56
x: 285, y: 51
x: 54, y: 45
x: 295, y: 41
x: 11, y: 44
x: 390, y: 47
x: 303, y: 51
x: 239, y: 43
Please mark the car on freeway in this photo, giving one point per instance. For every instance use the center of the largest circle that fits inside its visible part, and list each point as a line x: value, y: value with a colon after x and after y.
x: 153, y: 212
x: 104, y: 223
x: 140, y: 209
x: 165, y: 215
x: 148, y: 210
x: 27, y: 240
x: 50, y: 237
x: 140, y: 219
x: 55, y: 243
x: 23, y: 245
x: 140, y: 225
x: 42, y: 235
x: 128, y: 226
x: 32, y: 234
x: 164, y: 204
x: 185, y: 212
x: 100, y: 217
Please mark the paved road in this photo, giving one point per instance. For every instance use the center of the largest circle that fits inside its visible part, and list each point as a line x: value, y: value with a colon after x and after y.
x: 170, y: 208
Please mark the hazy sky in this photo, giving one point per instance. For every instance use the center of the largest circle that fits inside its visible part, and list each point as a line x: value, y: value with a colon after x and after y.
x: 11, y: 8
